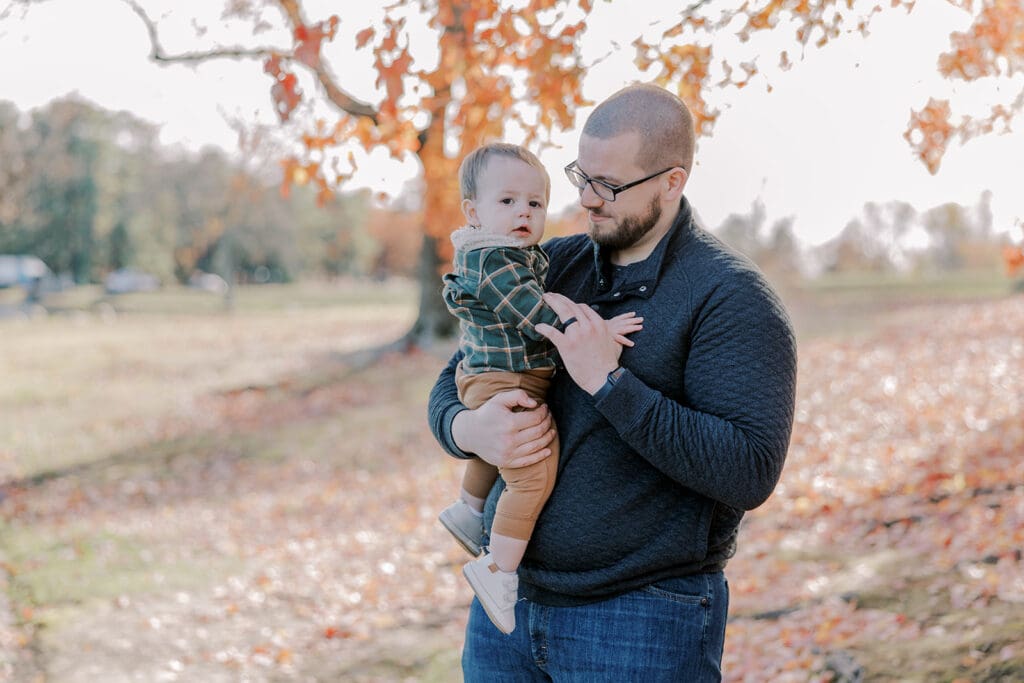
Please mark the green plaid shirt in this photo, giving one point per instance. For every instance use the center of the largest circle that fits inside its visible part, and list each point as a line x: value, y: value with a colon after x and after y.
x: 496, y: 293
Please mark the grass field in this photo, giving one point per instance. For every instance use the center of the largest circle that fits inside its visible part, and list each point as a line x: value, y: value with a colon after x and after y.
x: 850, y: 303
x: 194, y: 495
x: 101, y: 376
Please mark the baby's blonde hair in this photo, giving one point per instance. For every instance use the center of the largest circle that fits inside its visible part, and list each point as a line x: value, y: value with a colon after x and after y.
x: 475, y: 162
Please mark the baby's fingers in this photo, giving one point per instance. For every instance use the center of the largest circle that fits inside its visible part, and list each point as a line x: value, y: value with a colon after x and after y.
x: 625, y: 328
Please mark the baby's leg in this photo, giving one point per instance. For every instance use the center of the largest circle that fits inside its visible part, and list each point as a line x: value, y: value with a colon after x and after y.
x: 526, y: 491
x: 477, y: 482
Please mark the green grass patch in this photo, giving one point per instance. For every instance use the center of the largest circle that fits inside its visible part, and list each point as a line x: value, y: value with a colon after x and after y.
x: 848, y: 304
x: 953, y: 285
x: 180, y: 300
x: 70, y: 567
x: 79, y: 387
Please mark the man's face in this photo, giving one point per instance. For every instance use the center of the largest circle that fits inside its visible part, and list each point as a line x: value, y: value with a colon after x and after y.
x: 625, y: 222
x: 510, y: 200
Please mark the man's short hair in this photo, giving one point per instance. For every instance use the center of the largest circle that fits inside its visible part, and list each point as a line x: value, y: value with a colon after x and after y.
x: 663, y: 121
x: 475, y: 162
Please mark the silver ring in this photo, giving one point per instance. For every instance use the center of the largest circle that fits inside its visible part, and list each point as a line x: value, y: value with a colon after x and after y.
x: 568, y: 322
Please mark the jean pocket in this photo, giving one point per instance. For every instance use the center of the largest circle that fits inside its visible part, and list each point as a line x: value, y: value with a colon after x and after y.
x: 688, y: 590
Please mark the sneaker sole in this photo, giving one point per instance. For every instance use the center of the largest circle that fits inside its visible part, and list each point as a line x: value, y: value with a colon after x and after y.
x: 466, y: 542
x: 477, y: 590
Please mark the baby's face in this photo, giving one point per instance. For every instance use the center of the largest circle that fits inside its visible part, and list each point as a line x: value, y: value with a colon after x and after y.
x: 511, y: 200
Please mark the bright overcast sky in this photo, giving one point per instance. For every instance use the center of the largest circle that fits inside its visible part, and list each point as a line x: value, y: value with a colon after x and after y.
x: 827, y: 139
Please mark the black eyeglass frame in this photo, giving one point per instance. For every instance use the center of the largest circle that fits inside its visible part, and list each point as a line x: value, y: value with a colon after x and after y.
x: 572, y: 171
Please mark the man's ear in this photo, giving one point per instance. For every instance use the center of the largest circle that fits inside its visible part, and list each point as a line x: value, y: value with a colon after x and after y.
x: 674, y: 182
x: 469, y: 211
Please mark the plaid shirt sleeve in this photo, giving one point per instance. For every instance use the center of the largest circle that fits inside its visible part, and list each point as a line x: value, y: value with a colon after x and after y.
x: 512, y: 287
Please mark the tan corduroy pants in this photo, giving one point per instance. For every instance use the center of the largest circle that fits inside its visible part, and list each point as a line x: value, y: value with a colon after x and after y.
x: 526, y: 488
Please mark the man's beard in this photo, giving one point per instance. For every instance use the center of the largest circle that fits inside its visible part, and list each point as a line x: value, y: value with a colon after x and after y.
x: 628, y: 230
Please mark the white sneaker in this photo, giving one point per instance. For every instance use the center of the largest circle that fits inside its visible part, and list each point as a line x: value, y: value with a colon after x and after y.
x: 496, y: 590
x: 466, y: 527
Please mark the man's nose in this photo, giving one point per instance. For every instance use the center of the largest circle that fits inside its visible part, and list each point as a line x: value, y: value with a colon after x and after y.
x: 588, y: 198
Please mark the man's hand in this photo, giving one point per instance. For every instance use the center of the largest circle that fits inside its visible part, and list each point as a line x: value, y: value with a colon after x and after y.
x: 499, y: 435
x: 590, y: 346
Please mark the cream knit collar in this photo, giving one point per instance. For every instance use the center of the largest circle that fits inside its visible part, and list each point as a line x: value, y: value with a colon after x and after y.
x: 468, y: 238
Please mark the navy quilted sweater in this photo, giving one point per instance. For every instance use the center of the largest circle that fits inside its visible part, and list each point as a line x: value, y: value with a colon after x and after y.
x: 655, y: 476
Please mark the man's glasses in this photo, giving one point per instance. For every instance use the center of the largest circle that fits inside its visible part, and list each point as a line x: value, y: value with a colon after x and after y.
x: 607, y: 192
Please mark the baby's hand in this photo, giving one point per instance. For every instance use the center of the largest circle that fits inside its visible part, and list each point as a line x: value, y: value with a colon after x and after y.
x: 624, y: 324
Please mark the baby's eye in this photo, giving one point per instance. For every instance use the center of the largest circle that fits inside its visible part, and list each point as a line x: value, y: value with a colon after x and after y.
x: 506, y: 200
x: 537, y: 205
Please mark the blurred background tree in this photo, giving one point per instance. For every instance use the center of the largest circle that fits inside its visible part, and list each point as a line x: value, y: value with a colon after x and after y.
x: 495, y: 70
x: 91, y: 191
x: 504, y: 68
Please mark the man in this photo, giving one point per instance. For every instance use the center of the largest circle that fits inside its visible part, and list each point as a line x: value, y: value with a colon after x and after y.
x: 664, y: 445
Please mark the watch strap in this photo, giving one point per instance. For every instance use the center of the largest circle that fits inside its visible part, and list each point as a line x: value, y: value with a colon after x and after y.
x: 613, y: 377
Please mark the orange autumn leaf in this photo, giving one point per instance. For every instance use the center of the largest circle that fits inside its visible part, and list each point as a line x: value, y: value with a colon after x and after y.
x: 364, y: 36
x: 391, y: 39
x: 286, y: 97
x: 391, y: 76
x: 673, y: 32
x: 484, y: 47
x: 272, y: 65
x: 307, y: 49
x: 929, y: 131
x: 1013, y: 258
x: 308, y: 41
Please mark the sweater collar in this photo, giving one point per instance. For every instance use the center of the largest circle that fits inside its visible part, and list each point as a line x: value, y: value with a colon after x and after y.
x: 644, y: 275
x: 468, y: 238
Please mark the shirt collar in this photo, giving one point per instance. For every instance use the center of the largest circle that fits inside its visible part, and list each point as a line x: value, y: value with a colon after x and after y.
x: 643, y: 275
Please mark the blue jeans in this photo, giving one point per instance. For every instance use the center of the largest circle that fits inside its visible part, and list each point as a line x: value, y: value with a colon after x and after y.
x: 673, y: 630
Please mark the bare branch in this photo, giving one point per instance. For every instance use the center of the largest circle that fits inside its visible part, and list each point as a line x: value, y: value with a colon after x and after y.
x: 341, y: 99
x: 695, y: 6
x: 7, y: 9
x: 158, y: 54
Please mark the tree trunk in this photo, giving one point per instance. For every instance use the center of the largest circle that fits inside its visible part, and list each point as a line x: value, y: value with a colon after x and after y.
x: 433, y: 322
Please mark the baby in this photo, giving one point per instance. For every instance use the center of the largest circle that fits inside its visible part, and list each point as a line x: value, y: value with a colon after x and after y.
x: 496, y: 291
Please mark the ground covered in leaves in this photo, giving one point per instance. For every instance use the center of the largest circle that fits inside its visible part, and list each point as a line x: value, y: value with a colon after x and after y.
x: 280, y: 523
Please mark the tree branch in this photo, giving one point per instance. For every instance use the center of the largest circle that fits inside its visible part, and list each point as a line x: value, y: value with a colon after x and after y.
x: 7, y: 9
x: 341, y: 99
x: 335, y: 94
x: 696, y: 6
x: 158, y: 54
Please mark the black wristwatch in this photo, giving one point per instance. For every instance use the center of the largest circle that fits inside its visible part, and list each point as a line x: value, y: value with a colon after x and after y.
x: 613, y: 377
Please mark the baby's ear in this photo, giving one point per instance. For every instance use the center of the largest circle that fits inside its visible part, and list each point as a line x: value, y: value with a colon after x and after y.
x: 469, y: 211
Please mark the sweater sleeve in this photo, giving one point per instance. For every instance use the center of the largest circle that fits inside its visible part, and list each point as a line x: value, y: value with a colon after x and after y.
x: 444, y: 405
x: 510, y: 288
x: 727, y: 439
